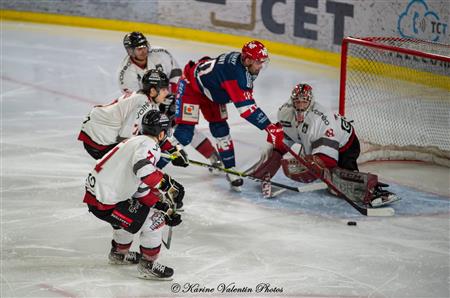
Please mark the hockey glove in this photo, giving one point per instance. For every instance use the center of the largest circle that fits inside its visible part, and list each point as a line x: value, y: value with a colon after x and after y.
x: 163, y: 206
x: 168, y: 106
x: 173, y: 220
x: 173, y: 190
x: 275, y: 136
x: 181, y: 158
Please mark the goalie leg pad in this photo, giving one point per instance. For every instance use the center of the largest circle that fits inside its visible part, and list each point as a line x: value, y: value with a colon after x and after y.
x: 269, y: 162
x: 357, y: 186
x: 293, y: 169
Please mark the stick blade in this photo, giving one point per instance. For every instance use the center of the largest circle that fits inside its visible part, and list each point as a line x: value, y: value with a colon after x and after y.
x: 387, y: 211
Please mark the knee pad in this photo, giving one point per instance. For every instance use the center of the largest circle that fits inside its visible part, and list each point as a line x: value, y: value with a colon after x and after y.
x: 184, y: 133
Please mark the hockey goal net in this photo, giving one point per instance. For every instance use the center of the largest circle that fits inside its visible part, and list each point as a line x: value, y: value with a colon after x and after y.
x: 397, y: 91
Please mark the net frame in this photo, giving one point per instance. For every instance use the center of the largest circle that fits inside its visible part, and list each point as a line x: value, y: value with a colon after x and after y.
x: 371, y: 150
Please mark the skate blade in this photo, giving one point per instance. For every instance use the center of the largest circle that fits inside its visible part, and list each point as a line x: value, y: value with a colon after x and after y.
x: 121, y: 263
x: 154, y: 277
x: 236, y: 188
x: 379, y: 203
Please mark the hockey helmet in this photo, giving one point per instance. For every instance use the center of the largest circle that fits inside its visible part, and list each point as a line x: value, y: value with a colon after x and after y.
x: 154, y: 79
x: 134, y: 40
x: 255, y: 50
x: 153, y: 122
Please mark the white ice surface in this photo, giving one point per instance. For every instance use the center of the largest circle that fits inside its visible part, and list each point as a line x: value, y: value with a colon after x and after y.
x: 298, y: 243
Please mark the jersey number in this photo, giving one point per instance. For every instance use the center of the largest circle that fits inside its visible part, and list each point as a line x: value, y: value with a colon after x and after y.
x: 99, y: 166
x: 206, y: 67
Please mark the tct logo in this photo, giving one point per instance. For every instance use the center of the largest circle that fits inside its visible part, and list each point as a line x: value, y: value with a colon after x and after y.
x: 419, y: 21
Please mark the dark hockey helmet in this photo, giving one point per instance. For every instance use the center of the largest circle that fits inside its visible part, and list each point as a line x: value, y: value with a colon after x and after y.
x: 154, y: 78
x: 134, y: 40
x: 153, y: 122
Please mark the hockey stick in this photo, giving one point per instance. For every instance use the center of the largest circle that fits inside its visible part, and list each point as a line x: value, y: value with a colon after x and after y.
x: 169, y: 234
x: 169, y: 239
x: 387, y: 211
x: 306, y: 188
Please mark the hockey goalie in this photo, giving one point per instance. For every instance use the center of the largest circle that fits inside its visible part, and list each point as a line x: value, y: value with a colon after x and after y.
x: 329, y: 144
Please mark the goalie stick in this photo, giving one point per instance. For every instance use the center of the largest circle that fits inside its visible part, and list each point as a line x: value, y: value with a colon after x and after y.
x: 387, y: 211
x: 305, y: 188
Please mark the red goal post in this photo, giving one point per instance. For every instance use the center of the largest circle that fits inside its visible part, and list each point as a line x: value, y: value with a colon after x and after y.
x: 397, y: 91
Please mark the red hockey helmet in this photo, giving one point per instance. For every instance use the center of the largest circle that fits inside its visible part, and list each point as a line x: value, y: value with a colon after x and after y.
x: 255, y: 50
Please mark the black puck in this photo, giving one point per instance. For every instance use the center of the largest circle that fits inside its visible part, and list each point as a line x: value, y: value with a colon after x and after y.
x: 351, y: 223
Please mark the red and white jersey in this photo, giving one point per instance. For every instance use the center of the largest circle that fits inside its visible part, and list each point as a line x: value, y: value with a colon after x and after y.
x: 322, y: 131
x: 119, y: 174
x: 130, y: 74
x: 108, y: 124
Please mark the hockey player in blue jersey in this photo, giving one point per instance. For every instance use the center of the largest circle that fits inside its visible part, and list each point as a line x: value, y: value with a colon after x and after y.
x: 208, y: 85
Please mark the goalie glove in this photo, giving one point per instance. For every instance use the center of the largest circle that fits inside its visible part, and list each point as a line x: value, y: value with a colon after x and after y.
x: 172, y: 190
x: 181, y: 159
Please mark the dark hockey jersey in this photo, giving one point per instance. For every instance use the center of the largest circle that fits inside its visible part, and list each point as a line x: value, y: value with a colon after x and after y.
x: 225, y: 79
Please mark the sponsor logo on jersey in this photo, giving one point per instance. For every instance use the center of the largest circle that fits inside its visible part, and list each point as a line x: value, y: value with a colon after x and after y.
x: 329, y: 133
x: 157, y: 220
x: 322, y: 116
x: 134, y: 206
x: 190, y: 112
x: 142, y: 110
x: 223, y: 111
x: 305, y: 128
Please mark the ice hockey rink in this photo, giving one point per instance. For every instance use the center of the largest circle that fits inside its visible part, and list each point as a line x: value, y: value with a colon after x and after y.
x: 229, y: 244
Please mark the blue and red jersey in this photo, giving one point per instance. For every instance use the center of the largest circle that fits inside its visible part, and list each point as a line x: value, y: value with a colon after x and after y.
x: 225, y: 79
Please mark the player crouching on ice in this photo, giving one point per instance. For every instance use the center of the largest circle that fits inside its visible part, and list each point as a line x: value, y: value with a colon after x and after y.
x: 329, y: 142
x: 127, y: 190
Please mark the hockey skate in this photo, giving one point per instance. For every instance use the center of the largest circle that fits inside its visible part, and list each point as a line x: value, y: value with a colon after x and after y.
x: 235, y: 181
x: 153, y: 270
x: 131, y: 258
x: 215, y: 161
x: 382, y: 197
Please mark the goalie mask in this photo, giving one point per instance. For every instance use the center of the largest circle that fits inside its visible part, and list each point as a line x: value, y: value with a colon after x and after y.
x: 302, y: 99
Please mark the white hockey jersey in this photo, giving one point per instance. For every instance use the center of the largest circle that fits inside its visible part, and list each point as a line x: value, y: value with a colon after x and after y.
x: 322, y: 131
x: 118, y: 175
x: 108, y: 124
x: 130, y: 74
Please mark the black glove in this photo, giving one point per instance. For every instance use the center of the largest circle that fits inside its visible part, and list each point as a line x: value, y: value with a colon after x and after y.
x: 173, y: 220
x: 181, y: 159
x: 163, y: 206
x: 174, y: 190
x: 168, y: 106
